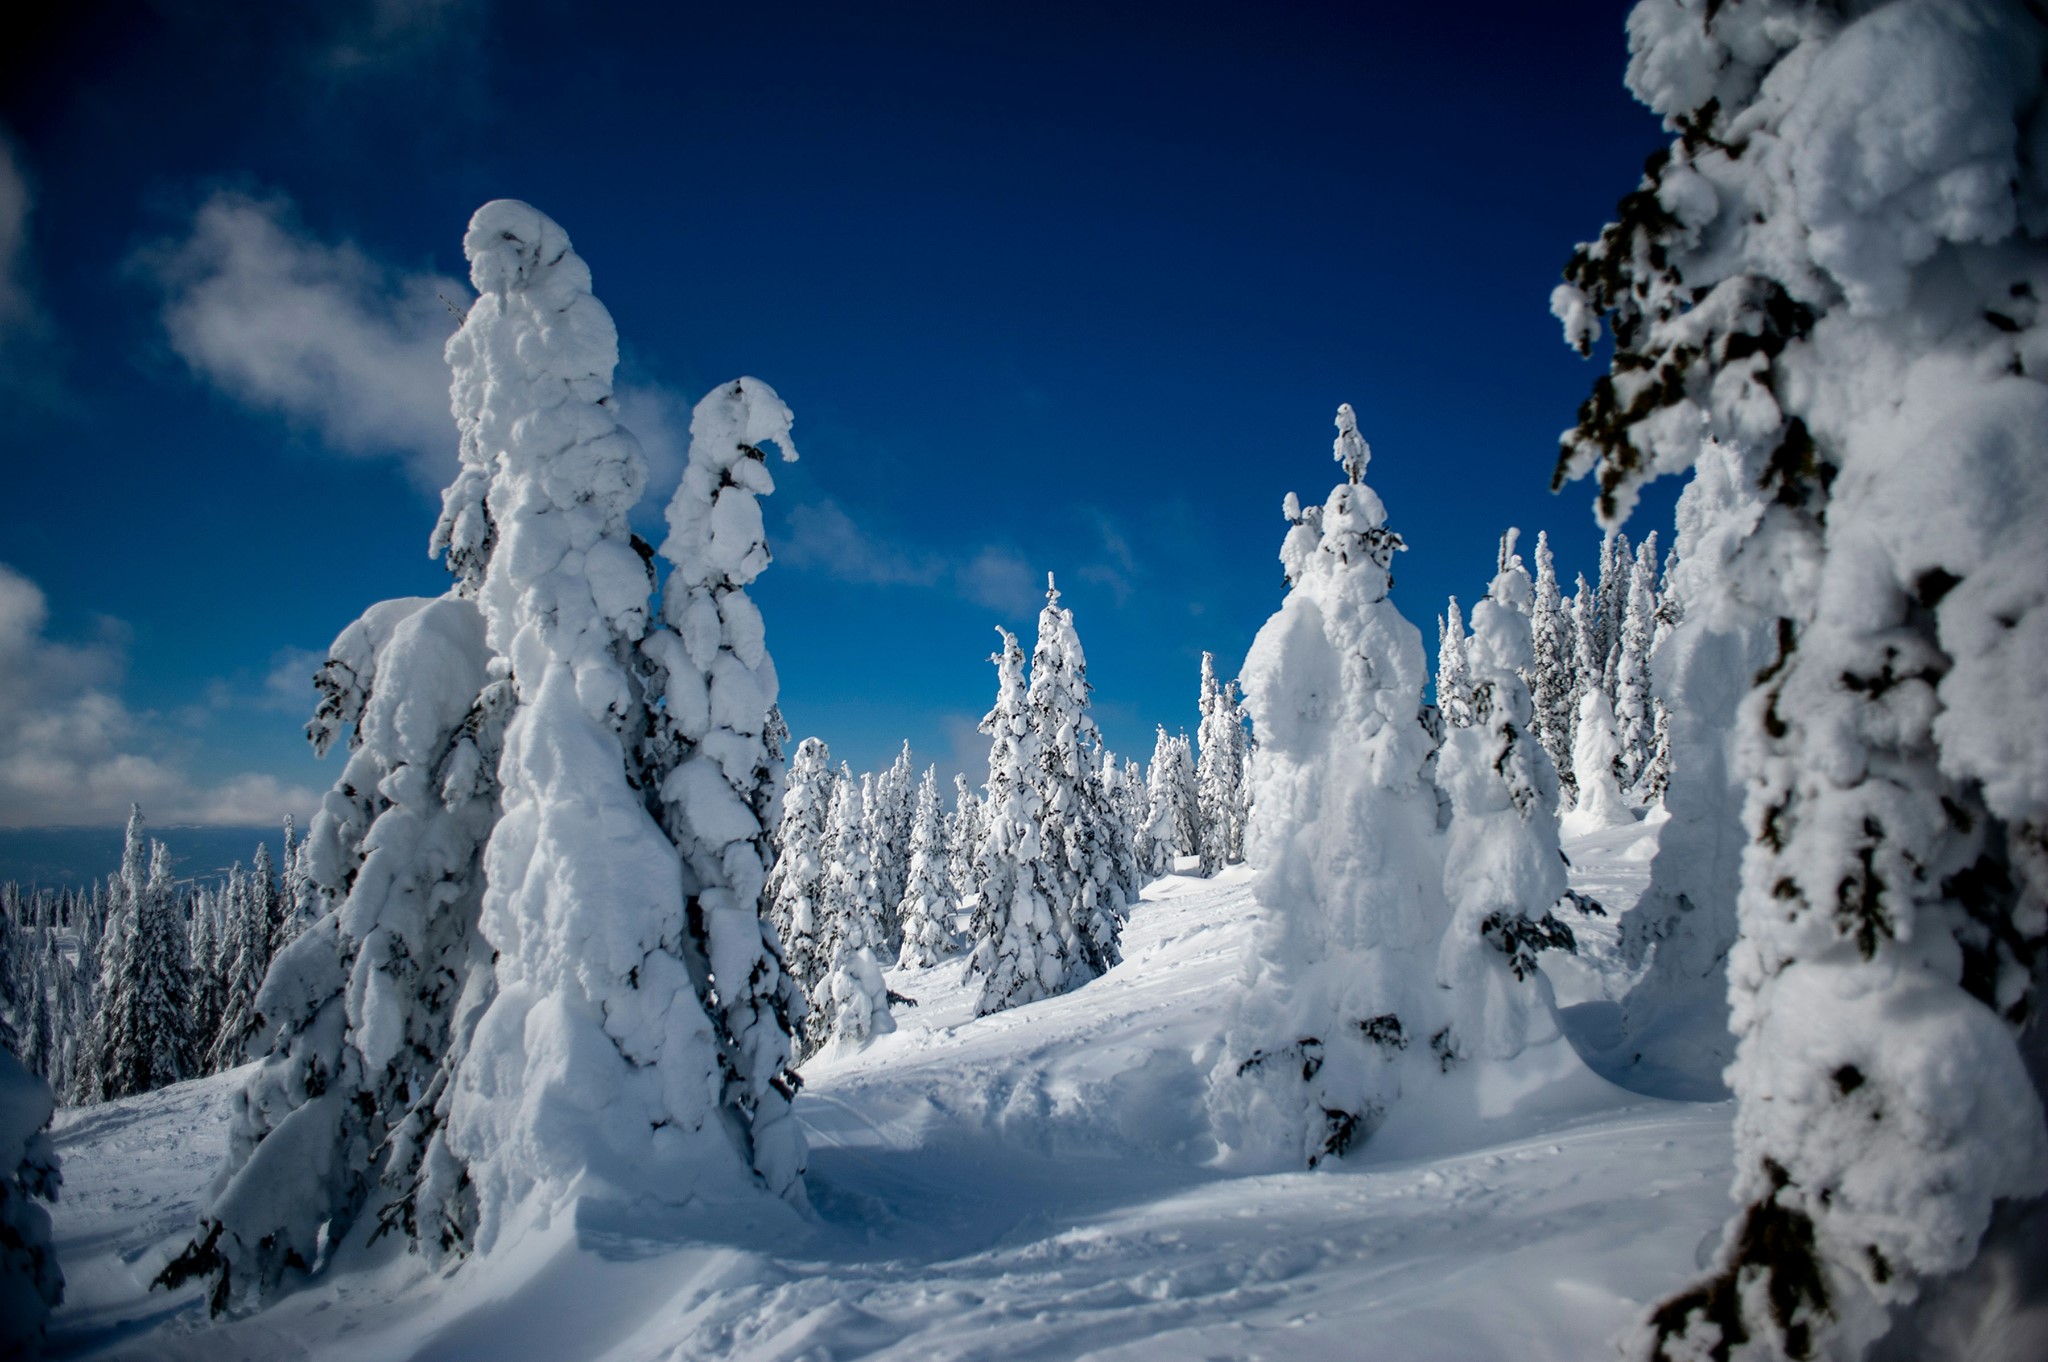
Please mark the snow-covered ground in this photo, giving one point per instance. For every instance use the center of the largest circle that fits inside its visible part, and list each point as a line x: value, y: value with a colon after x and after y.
x: 1029, y: 1185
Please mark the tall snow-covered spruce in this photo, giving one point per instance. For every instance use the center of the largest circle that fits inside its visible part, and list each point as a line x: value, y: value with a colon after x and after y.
x: 1836, y: 271
x: 1339, y: 1003
x: 1219, y: 770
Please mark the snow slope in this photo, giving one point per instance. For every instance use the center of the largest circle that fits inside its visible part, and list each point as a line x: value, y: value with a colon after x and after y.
x: 1029, y: 1185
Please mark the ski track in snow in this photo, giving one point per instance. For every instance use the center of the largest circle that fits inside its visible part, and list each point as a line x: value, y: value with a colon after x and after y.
x: 1031, y: 1185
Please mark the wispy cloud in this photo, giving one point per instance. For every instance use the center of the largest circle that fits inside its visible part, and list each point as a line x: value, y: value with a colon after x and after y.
x: 823, y: 537
x: 374, y: 35
x: 71, y: 751
x: 319, y: 333
x: 1000, y: 579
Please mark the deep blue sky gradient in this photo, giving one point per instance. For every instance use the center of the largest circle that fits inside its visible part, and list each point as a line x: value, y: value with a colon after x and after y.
x: 1080, y: 287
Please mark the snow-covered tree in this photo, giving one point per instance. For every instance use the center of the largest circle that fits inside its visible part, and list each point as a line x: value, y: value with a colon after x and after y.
x: 1836, y: 270
x: 1076, y: 835
x: 1596, y: 767
x: 931, y: 902
x: 849, y: 1003
x: 31, y: 1283
x: 142, y: 1009
x: 1453, y: 689
x: 796, y: 884
x: 1219, y: 771
x: 1131, y: 803
x: 890, y: 817
x: 1550, y: 676
x: 963, y: 834
x: 254, y: 920
x: 1635, y: 714
x: 1023, y: 949
x: 1340, y: 1005
x: 1502, y: 870
x: 1174, y: 827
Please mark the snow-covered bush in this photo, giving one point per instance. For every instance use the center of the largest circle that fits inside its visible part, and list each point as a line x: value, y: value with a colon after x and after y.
x: 1836, y: 270
x: 31, y: 1283
x: 1341, y: 999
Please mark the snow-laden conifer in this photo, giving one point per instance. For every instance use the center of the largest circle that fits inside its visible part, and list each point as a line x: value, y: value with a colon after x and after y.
x: 1219, y: 770
x: 1453, y: 687
x: 1076, y: 832
x: 963, y: 834
x: 1174, y: 827
x: 890, y: 817
x: 713, y: 757
x: 796, y: 884
x: 1635, y: 714
x: 1502, y: 870
x: 1836, y: 270
x: 849, y: 1003
x: 596, y: 1004
x: 1550, y: 674
x: 141, y: 1036
x: 1596, y: 769
x: 931, y: 902
x: 31, y: 1283
x: 1023, y: 946
x: 1340, y: 1000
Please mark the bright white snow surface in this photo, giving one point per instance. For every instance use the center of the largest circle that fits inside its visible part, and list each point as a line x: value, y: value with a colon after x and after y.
x: 1030, y: 1184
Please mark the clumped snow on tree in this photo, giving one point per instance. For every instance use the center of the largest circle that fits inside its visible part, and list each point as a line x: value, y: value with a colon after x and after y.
x: 1174, y: 827
x: 849, y: 1003
x: 1836, y: 270
x: 1340, y: 1005
x: 1596, y: 770
x: 1219, y: 770
x: 796, y: 883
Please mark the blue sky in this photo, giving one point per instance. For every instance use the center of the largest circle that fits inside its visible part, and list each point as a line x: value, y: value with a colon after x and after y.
x: 1049, y: 288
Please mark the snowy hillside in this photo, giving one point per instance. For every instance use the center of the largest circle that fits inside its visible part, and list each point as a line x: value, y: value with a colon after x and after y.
x: 1026, y: 1185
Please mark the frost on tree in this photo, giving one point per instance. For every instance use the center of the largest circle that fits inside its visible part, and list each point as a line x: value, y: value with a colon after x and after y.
x: 31, y: 1283
x: 930, y: 902
x: 1219, y: 771
x: 1502, y: 870
x: 712, y: 757
x: 596, y: 1002
x: 1023, y: 944
x: 796, y: 883
x: 1340, y: 1005
x: 1836, y: 270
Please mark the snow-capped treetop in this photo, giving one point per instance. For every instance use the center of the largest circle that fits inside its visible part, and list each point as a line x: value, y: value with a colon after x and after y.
x: 715, y: 537
x: 1351, y: 451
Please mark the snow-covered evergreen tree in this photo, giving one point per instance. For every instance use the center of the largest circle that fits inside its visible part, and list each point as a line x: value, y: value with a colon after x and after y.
x: 31, y: 1283
x: 963, y: 834
x: 1076, y: 834
x: 1341, y: 1003
x: 1023, y: 950
x: 1219, y: 771
x: 1635, y: 714
x: 1502, y: 870
x: 1550, y: 675
x: 891, y: 815
x: 143, y: 1008
x: 1835, y: 270
x: 1596, y: 767
x: 1174, y: 827
x: 1453, y: 689
x: 714, y: 759
x: 849, y: 1003
x: 796, y: 884
x: 1610, y: 607
x: 251, y: 924
x: 931, y: 902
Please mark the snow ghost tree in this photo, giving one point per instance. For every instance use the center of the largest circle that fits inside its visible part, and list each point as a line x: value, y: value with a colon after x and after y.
x: 1634, y: 706
x: 1837, y: 271
x: 1596, y: 770
x: 1023, y: 944
x: 1219, y: 771
x: 930, y: 903
x: 1550, y: 678
x: 31, y: 1284
x: 1502, y: 870
x: 1341, y: 999
x: 596, y: 1003
x: 1453, y: 690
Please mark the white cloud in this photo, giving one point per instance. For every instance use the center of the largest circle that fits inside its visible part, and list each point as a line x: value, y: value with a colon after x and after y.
x: 1000, y: 579
x: 322, y: 334
x: 823, y: 536
x: 72, y: 752
x: 17, y: 305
